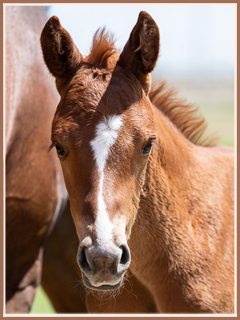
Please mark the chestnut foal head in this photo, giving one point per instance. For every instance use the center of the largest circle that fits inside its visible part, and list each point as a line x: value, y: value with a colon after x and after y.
x: 103, y: 131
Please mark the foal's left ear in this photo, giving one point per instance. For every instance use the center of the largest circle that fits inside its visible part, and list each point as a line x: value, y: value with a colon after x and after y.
x: 141, y: 51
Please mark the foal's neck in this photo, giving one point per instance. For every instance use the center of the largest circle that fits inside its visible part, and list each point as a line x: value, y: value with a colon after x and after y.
x: 174, y: 194
x: 185, y: 215
x: 173, y: 170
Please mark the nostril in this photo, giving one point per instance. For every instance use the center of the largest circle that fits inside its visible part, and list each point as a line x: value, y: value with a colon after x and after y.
x: 125, y: 255
x: 84, y: 265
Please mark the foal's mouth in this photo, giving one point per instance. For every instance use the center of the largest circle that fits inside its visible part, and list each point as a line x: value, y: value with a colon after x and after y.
x: 105, y: 287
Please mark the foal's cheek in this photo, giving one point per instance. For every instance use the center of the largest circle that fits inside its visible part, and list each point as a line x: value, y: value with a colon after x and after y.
x: 133, y: 202
x: 138, y: 170
x: 69, y: 174
x: 74, y: 201
x: 129, y: 226
x: 132, y: 205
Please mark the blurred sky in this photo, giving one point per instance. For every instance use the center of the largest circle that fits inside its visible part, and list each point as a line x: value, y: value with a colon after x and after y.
x: 195, y: 39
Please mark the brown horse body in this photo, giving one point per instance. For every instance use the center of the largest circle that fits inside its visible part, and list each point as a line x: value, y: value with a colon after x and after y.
x: 35, y: 189
x: 137, y: 179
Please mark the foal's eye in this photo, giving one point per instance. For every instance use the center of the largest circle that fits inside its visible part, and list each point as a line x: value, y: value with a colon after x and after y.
x: 60, y: 150
x: 147, y: 148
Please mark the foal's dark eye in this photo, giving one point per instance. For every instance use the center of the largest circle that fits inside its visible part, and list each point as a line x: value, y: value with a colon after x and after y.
x: 147, y: 148
x: 60, y: 150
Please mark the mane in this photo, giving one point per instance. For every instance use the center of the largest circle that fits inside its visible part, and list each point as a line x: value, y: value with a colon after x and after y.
x: 185, y: 116
x: 103, y: 47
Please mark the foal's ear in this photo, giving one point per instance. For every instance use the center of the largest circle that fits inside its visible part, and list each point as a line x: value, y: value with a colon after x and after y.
x: 59, y: 51
x: 141, y: 50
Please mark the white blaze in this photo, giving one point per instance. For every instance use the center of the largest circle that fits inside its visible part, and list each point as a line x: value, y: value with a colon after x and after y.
x: 105, y: 137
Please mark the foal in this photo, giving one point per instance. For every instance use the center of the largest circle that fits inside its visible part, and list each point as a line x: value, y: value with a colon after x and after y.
x: 136, y: 176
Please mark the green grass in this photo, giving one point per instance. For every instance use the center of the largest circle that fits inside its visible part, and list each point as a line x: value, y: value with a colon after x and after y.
x: 220, y: 119
x: 41, y: 304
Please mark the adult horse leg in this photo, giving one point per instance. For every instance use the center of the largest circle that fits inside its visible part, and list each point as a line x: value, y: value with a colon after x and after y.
x: 23, y: 297
x: 20, y: 300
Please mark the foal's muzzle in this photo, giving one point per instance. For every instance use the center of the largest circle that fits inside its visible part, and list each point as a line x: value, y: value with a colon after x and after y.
x: 103, y: 267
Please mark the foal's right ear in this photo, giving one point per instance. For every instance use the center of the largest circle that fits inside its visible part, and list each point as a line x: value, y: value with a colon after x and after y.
x: 59, y: 51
